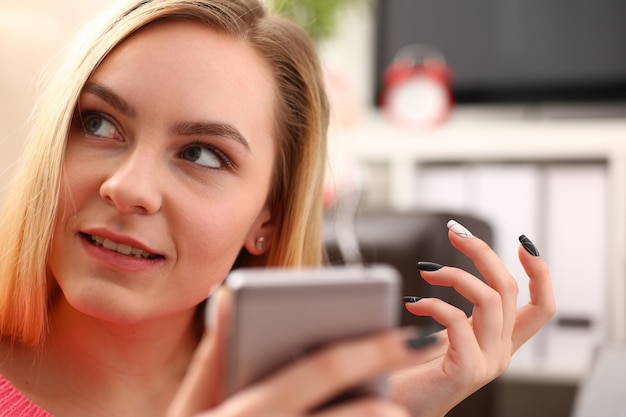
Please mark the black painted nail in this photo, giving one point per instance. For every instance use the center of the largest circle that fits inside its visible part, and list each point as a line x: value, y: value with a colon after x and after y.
x: 528, y: 245
x: 421, y: 341
x: 411, y: 299
x: 428, y: 266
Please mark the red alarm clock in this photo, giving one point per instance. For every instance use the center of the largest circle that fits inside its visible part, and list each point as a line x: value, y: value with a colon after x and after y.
x: 416, y: 87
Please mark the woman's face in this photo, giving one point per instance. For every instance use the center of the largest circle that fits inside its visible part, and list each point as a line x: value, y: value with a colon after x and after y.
x: 166, y: 173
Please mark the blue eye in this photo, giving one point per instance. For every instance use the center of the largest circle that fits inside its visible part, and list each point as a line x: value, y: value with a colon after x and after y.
x: 205, y: 156
x: 96, y: 125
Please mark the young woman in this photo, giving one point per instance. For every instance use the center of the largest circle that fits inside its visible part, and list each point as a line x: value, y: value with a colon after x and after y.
x: 177, y: 140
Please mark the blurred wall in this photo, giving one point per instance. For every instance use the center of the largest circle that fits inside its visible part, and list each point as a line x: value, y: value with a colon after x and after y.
x: 31, y: 32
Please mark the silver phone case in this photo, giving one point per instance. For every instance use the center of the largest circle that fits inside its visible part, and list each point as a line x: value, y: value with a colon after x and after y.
x: 279, y: 315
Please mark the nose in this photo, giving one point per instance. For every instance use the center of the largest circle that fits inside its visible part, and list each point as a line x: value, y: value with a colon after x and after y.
x: 133, y: 186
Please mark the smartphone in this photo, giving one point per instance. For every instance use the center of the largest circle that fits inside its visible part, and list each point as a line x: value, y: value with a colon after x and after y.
x: 281, y: 315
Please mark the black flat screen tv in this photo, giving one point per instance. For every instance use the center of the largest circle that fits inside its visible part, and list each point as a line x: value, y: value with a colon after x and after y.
x: 514, y: 50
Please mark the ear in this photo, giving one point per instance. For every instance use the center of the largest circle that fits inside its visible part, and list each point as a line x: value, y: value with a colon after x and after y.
x: 260, y: 235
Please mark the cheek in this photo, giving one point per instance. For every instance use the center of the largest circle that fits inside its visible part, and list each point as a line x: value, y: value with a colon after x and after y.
x: 79, y: 183
x: 207, y: 248
x: 212, y: 232
x: 205, y: 256
x: 67, y: 205
x: 217, y: 240
x: 69, y: 201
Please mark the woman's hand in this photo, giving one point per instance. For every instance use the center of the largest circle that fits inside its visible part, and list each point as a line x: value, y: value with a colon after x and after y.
x: 471, y: 352
x: 298, y: 389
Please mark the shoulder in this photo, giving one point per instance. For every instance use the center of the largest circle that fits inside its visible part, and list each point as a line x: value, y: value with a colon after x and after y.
x: 14, y: 404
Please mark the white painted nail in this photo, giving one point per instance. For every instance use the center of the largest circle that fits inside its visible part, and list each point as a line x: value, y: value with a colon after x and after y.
x: 459, y: 229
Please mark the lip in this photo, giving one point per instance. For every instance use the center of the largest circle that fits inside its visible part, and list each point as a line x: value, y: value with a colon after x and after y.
x: 117, y: 260
x: 120, y: 239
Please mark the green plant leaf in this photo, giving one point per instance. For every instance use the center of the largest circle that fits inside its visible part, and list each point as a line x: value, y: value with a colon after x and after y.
x: 317, y: 17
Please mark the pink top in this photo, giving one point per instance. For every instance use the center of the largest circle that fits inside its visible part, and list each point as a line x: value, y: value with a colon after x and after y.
x: 14, y: 404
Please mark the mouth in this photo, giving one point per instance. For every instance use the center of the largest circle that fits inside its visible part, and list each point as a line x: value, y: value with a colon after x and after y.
x: 120, y: 248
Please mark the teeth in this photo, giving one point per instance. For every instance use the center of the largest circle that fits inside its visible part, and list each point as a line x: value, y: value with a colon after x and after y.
x: 120, y: 248
x: 109, y: 244
x: 125, y: 249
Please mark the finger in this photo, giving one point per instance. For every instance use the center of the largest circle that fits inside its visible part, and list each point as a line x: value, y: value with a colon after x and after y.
x: 541, y: 307
x: 491, y: 269
x: 462, y: 342
x: 201, y: 387
x: 364, y: 407
x: 318, y: 378
x: 219, y: 413
x: 487, y: 312
x: 540, y: 285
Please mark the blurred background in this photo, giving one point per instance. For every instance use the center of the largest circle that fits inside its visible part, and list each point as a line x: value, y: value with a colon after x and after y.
x: 511, y: 111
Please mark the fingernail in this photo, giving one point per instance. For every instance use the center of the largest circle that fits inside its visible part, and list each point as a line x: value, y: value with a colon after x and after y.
x: 459, y: 229
x: 529, y: 245
x: 428, y: 266
x: 421, y: 341
x: 411, y: 299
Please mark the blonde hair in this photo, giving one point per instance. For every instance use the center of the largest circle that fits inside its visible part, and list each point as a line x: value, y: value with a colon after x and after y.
x: 301, y: 119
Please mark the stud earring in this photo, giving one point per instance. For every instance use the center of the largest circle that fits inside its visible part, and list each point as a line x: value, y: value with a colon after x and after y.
x: 260, y: 243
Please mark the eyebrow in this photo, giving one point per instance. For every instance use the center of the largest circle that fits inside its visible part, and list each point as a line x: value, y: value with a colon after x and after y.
x: 183, y: 129
x: 111, y: 98
x: 219, y: 129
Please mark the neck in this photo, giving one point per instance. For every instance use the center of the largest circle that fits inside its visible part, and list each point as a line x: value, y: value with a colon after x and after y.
x: 131, y: 368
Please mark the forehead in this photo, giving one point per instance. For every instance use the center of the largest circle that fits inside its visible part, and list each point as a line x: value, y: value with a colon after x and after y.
x: 186, y: 35
x: 193, y: 68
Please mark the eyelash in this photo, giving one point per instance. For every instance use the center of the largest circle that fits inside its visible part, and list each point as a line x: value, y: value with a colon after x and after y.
x: 83, y: 116
x: 224, y: 159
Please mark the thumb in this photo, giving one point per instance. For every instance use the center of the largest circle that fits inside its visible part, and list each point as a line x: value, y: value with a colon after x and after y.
x: 201, y: 387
